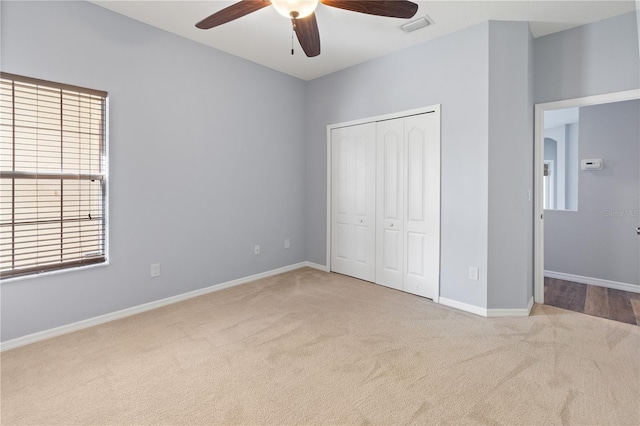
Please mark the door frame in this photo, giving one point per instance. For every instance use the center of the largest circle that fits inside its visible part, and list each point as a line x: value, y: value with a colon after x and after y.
x: 538, y: 166
x: 401, y: 114
x: 551, y: 182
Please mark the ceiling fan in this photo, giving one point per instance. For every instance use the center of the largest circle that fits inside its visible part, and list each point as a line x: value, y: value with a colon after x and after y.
x: 303, y: 18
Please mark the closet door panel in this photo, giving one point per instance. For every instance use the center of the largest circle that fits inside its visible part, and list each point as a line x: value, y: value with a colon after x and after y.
x: 422, y: 221
x: 343, y: 242
x: 341, y: 205
x: 415, y: 206
x: 364, y: 201
x: 353, y: 209
x: 415, y: 175
x: 392, y: 170
x: 390, y: 204
x: 391, y: 243
x: 432, y: 205
x: 415, y: 254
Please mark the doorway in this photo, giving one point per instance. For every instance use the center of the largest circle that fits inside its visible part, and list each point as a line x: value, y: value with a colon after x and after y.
x: 585, y: 225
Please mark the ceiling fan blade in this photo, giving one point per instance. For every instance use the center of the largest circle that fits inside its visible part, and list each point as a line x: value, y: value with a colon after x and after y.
x: 392, y: 8
x: 308, y: 35
x: 235, y: 11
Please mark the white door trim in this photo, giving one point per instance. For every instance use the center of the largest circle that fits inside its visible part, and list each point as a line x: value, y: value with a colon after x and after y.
x: 538, y: 222
x: 391, y: 116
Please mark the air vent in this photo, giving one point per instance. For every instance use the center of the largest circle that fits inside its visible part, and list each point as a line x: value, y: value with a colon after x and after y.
x: 416, y: 24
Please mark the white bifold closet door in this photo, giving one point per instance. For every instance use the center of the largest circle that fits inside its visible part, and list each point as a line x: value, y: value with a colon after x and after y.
x: 385, y: 203
x: 353, y: 151
x: 408, y: 204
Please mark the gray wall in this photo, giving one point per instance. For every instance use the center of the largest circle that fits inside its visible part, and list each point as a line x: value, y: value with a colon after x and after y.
x: 481, y: 77
x: 572, y: 165
x: 179, y: 106
x: 550, y: 149
x: 510, y: 237
x: 589, y: 60
x: 207, y: 159
x: 599, y: 240
x: 452, y: 71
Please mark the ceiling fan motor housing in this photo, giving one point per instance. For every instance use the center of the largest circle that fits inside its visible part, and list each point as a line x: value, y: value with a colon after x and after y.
x: 295, y: 9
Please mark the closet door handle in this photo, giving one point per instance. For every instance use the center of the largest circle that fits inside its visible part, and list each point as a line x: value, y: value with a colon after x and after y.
x: 638, y: 230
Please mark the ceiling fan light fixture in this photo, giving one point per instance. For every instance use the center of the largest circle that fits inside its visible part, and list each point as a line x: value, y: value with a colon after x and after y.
x: 425, y: 21
x: 296, y: 9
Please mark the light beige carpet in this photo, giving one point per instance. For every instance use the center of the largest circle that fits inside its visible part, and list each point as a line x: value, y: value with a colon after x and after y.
x: 308, y: 347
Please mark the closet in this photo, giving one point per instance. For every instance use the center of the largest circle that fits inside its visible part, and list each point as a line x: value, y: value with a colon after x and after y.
x: 385, y: 202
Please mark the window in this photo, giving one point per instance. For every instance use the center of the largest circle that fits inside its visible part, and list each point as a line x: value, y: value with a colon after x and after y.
x: 52, y: 176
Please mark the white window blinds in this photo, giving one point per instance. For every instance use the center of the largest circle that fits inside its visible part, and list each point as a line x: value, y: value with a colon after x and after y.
x: 52, y: 176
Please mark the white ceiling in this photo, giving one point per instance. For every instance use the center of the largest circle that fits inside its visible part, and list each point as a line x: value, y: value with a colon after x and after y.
x: 349, y: 38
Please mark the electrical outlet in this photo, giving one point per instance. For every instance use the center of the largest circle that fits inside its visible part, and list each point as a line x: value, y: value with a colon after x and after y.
x: 287, y: 243
x: 155, y: 270
x: 256, y: 249
x: 473, y: 273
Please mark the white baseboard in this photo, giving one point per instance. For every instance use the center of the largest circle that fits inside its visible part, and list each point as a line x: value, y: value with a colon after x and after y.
x: 593, y: 281
x: 90, y: 322
x: 524, y: 312
x: 463, y: 306
x: 490, y: 313
x: 317, y: 266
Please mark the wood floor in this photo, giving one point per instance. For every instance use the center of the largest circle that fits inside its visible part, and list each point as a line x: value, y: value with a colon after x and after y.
x: 617, y: 305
